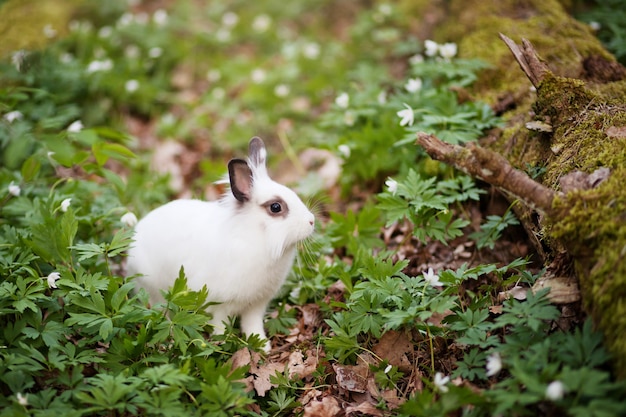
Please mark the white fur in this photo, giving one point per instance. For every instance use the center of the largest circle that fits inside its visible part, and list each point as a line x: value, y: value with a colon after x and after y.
x: 239, y: 250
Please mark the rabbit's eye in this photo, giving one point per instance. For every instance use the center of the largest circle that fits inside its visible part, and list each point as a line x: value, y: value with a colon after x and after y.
x: 276, y: 208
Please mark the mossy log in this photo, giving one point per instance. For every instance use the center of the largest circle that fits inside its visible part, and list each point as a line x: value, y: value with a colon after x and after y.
x: 566, y: 117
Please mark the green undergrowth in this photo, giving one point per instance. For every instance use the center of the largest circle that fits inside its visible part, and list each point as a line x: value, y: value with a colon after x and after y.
x: 76, y: 339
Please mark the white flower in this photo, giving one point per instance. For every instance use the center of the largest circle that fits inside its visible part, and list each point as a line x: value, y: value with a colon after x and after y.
x: 160, y: 17
x: 131, y: 86
x: 432, y: 278
x: 14, y: 189
x: 18, y: 58
x: 406, y: 116
x: 413, y: 85
x: 281, y: 90
x: 431, y: 47
x: 96, y: 66
x: 75, y: 127
x: 342, y: 100
x: 129, y: 219
x: 441, y: 381
x: 385, y: 9
x: 447, y: 50
x: 66, y: 58
x: 52, y: 278
x: 105, y: 32
x: 218, y: 93
x: 22, y: 399
x: 494, y: 364
x: 65, y: 204
x: 230, y: 19
x: 258, y: 75
x: 555, y: 391
x: 155, y: 52
x: 595, y: 26
x: 416, y: 59
x: 12, y: 116
x: 132, y: 51
x: 213, y: 75
x: 223, y: 35
x: 49, y: 31
x: 344, y: 150
x: 392, y: 185
x: 349, y: 118
x: 388, y: 368
x: 311, y: 50
x: 125, y: 19
x: 261, y: 23
x: 381, y: 98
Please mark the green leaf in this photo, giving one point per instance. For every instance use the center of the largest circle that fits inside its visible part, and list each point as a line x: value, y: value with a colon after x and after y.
x: 31, y: 167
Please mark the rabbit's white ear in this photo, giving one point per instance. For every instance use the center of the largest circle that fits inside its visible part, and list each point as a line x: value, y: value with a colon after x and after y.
x: 257, y: 154
x: 240, y: 176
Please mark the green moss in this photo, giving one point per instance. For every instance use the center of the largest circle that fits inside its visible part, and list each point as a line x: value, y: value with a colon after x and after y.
x: 22, y: 22
x: 543, y: 22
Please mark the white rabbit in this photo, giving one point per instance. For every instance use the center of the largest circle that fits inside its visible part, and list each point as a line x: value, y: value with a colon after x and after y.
x: 241, y: 247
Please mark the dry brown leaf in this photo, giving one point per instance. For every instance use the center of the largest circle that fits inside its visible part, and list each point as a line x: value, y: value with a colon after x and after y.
x: 298, y: 366
x: 496, y: 309
x: 396, y: 348
x: 391, y: 398
x: 241, y: 358
x: 352, y: 377
x: 518, y: 292
x: 261, y: 374
x: 326, y: 407
x: 615, y: 132
x: 365, y: 408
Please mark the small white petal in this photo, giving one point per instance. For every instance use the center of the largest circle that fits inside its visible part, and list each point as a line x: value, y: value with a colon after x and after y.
x: 448, y: 50
x: 311, y: 50
x: 75, y: 127
x: 65, y: 204
x: 343, y: 100
x: 432, y: 278
x: 155, y: 52
x: 388, y: 368
x: 230, y: 19
x: 349, y: 118
x: 431, y: 47
x: 52, y: 278
x: 281, y: 90
x: 131, y: 86
x: 129, y: 219
x: 49, y: 31
x: 407, y: 117
x: 494, y: 364
x: 22, y: 399
x: 160, y: 17
x: 261, y: 23
x: 555, y: 391
x: 12, y: 116
x: 413, y: 85
x: 441, y: 381
x: 392, y: 185
x: 258, y: 75
x: 344, y: 150
x: 14, y: 189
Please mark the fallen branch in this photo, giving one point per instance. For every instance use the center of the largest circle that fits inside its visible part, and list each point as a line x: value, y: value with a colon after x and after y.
x: 528, y: 60
x: 491, y: 168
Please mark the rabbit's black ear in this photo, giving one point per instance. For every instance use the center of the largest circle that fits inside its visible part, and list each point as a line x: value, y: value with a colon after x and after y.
x: 257, y: 152
x: 240, y: 176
